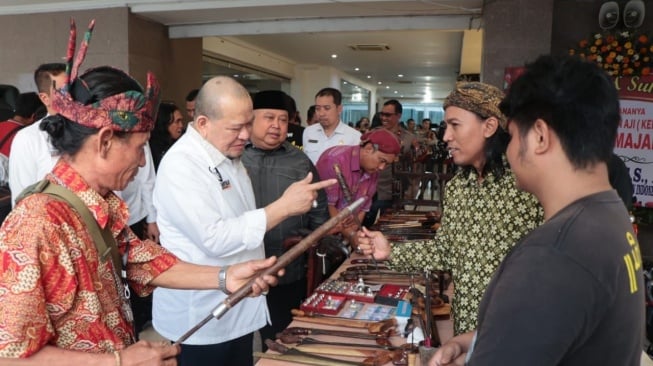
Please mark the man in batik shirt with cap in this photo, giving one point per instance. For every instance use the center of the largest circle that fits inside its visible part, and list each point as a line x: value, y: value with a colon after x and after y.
x: 484, y: 214
x: 359, y: 167
x: 63, y: 298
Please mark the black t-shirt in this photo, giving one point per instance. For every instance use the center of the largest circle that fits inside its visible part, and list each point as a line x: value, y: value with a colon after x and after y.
x: 570, y: 293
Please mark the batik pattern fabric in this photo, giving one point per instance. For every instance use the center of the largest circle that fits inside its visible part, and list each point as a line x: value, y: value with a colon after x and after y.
x: 481, y: 222
x: 54, y: 288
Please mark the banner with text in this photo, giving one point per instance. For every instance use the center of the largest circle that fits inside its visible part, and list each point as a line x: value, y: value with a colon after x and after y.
x: 635, y: 136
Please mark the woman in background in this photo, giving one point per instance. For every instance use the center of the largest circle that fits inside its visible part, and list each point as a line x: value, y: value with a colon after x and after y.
x: 168, y: 128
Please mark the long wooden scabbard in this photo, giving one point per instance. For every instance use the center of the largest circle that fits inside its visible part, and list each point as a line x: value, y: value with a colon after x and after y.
x: 289, y: 256
x: 305, y: 360
x: 342, y: 351
x: 371, y: 357
x: 381, y: 338
x: 373, y: 327
x: 307, y: 341
x: 307, y: 357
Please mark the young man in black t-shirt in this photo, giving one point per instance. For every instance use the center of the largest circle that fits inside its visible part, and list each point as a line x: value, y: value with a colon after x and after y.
x: 570, y: 292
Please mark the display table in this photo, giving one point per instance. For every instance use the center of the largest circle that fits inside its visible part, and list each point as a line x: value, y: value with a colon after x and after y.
x: 444, y: 327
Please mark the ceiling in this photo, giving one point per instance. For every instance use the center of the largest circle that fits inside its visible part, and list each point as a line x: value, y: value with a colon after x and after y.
x: 421, y: 40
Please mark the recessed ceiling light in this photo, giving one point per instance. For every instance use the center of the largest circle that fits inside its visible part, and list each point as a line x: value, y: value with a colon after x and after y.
x: 395, y: 92
x: 236, y: 75
x: 402, y: 96
x: 334, y: 56
x: 356, y: 69
x: 387, y: 86
x: 344, y: 82
x: 380, y: 83
x: 400, y: 75
x: 369, y: 76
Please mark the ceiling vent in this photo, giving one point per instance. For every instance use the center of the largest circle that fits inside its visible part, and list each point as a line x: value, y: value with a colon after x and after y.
x: 370, y: 47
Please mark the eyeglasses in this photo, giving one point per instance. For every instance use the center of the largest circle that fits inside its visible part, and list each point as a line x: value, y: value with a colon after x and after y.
x: 385, y: 114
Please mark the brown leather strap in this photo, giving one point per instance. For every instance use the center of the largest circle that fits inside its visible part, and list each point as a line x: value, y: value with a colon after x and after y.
x: 104, y: 241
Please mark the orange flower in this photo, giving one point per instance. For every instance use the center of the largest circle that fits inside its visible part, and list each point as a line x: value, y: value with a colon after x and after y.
x: 626, y: 53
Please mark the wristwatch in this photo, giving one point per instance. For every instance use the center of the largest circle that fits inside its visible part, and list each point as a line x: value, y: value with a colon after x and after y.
x: 222, y: 280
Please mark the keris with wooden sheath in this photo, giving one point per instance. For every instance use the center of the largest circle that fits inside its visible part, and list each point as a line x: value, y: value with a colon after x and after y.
x: 282, y: 262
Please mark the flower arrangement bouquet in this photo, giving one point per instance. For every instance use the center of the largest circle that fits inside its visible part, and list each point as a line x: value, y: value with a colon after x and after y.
x: 620, y: 54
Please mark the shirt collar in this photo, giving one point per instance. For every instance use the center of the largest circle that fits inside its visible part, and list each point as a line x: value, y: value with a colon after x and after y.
x: 215, y: 155
x: 339, y: 128
x: 356, y: 159
x: 284, y: 146
x: 472, y: 177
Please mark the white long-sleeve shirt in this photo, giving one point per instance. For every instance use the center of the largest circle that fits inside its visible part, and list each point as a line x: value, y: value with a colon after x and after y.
x: 315, y: 141
x: 32, y: 157
x: 206, y: 215
x: 138, y: 193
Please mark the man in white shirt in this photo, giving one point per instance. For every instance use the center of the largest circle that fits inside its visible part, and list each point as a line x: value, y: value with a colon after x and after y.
x: 32, y: 159
x: 207, y: 214
x: 330, y: 131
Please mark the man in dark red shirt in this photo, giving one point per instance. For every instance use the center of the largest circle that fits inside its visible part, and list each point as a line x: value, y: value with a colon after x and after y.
x: 360, y: 166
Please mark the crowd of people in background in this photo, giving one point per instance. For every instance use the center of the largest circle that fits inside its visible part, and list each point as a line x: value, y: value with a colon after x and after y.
x: 197, y: 201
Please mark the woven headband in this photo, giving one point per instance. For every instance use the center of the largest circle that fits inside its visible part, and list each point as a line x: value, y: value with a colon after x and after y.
x: 480, y: 98
x: 130, y: 111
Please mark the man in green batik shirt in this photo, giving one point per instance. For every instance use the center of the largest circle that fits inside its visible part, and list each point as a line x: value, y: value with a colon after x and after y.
x: 484, y: 214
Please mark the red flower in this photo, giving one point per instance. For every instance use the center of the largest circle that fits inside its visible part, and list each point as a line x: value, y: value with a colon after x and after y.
x: 620, y: 53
